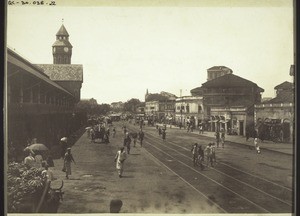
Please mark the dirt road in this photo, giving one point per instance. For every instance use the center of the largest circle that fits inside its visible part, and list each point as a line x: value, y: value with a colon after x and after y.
x: 148, y: 186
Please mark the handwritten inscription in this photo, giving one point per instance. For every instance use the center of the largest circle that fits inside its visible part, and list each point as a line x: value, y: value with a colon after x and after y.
x: 52, y: 3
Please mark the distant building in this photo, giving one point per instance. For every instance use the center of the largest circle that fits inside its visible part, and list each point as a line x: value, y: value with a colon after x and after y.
x: 274, y: 119
x: 141, y: 108
x: 189, y: 109
x: 160, y: 106
x: 229, y: 101
x: 217, y: 71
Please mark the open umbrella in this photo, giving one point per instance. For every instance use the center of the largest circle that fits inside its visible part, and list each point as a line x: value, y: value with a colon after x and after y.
x: 64, y: 139
x: 38, y: 147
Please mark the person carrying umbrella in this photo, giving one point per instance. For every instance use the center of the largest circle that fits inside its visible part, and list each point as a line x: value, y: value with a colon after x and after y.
x: 68, y: 159
x: 64, y: 146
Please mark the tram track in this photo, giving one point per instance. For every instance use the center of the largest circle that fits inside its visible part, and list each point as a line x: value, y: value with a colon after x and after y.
x: 263, y: 180
x: 238, y: 190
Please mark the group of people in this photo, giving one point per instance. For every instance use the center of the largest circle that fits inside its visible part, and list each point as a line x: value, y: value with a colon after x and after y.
x: 199, y: 155
x: 100, y: 131
x: 39, y: 159
x: 121, y: 155
x: 129, y: 136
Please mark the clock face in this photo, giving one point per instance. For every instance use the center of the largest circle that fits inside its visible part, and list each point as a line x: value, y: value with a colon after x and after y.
x: 66, y: 49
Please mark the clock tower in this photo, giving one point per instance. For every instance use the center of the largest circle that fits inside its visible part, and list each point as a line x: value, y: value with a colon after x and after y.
x: 62, y: 48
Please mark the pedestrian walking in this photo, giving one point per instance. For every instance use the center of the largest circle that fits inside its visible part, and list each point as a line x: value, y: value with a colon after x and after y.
x: 124, y: 130
x: 213, y: 153
x: 92, y: 135
x: 217, y: 134
x: 119, y: 159
x: 256, y: 146
x: 208, y: 154
x: 164, y: 135
x: 200, y: 128
x: 188, y: 127
x: 200, y: 157
x: 194, y: 151
x: 127, y: 142
x: 159, y: 131
x: 134, y: 136
x: 141, y: 137
x: 114, y: 132
x: 88, y: 132
x: 222, y: 137
x: 180, y: 125
x: 68, y: 159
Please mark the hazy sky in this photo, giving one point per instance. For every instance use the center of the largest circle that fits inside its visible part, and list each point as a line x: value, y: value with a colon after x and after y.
x: 125, y: 50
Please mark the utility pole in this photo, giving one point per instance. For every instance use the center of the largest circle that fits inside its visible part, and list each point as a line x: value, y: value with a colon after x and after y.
x: 181, y: 106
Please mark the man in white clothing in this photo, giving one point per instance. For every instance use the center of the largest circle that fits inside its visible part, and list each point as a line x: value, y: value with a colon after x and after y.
x: 119, y: 159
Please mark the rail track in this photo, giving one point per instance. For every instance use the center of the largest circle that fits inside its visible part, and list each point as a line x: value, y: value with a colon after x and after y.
x: 229, y: 188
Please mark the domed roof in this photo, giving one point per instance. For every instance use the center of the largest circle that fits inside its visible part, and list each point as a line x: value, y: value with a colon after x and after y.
x: 62, y: 31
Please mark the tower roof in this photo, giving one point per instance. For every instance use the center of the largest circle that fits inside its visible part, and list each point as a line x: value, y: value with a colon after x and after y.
x: 62, y: 31
x: 62, y: 43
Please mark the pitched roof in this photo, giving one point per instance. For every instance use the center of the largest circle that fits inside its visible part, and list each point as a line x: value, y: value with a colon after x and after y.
x: 62, y: 31
x: 284, y: 85
x: 32, y: 69
x: 198, y: 90
x: 287, y: 97
x: 63, y: 72
x: 230, y: 80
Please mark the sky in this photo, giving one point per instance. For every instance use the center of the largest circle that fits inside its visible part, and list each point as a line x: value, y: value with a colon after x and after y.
x: 125, y: 50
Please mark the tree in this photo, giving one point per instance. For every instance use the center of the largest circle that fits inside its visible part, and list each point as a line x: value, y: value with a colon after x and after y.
x: 102, y: 109
x: 132, y: 104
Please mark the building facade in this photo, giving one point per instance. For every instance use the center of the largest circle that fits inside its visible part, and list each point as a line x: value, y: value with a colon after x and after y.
x: 229, y: 101
x: 189, y: 109
x: 274, y: 119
